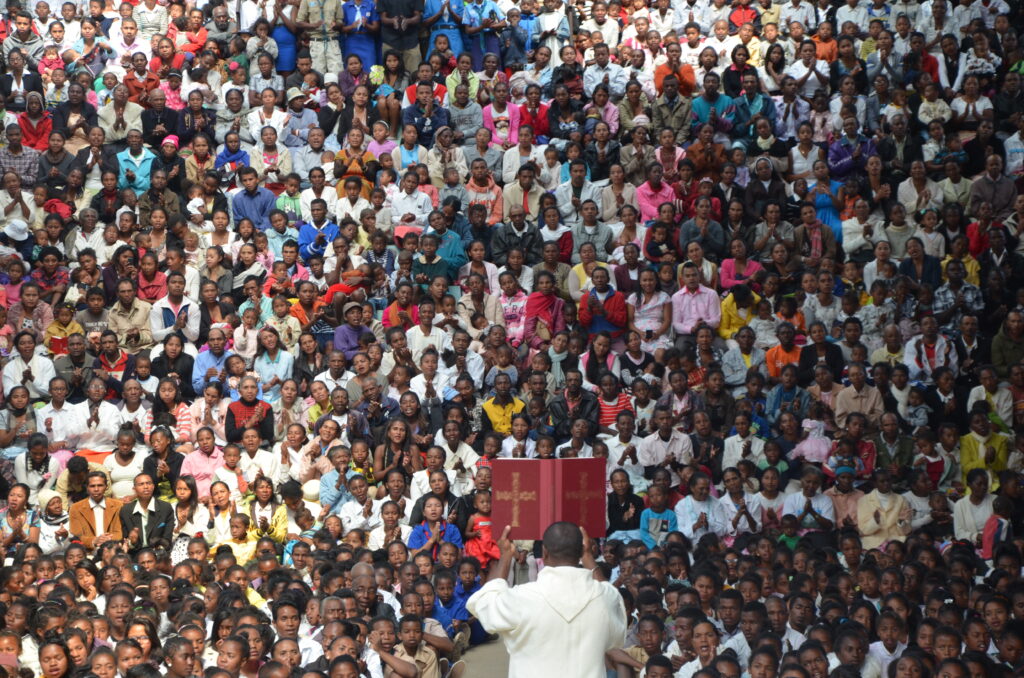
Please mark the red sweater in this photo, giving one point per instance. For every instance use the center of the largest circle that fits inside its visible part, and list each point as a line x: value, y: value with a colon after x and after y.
x: 538, y: 121
x: 612, y: 321
x: 36, y: 136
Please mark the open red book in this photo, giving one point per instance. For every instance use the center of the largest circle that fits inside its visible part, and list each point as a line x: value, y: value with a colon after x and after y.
x: 530, y: 494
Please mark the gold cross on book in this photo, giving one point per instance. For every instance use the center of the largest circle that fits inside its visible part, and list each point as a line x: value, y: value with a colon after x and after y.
x: 584, y: 494
x: 515, y: 495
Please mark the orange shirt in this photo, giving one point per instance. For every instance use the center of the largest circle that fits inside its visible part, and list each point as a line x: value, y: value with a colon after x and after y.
x: 687, y: 78
x: 776, y: 358
x: 826, y: 51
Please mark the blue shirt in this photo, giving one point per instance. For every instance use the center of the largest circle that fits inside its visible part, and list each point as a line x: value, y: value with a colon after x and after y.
x: 452, y: 251
x: 420, y: 535
x: 330, y: 495
x: 255, y: 206
x: 370, y: 14
x: 299, y: 122
x: 267, y: 369
x: 446, y: 613
x: 654, y: 527
x: 204, y: 361
x: 141, y: 166
x: 307, y: 238
x: 266, y: 309
x: 277, y: 240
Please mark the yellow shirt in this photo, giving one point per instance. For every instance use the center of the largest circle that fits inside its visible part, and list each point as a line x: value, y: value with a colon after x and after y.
x: 501, y: 416
x: 732, y: 321
x: 244, y: 550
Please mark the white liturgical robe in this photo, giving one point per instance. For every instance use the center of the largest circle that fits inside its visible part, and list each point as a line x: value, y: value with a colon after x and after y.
x: 559, y: 626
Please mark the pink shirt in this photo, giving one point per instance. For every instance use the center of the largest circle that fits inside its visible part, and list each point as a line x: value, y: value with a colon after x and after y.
x: 202, y: 468
x: 690, y: 309
x: 648, y: 200
x: 727, y: 273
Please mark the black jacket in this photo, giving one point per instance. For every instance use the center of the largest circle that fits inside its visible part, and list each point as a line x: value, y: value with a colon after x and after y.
x: 63, y: 111
x: 809, y: 359
x: 29, y: 80
x: 159, y: 526
x: 887, y: 152
x: 151, y: 118
x: 562, y: 419
x: 182, y: 366
x: 108, y: 159
x: 981, y: 355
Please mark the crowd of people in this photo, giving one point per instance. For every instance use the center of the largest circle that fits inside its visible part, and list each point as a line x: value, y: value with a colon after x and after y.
x: 281, y: 279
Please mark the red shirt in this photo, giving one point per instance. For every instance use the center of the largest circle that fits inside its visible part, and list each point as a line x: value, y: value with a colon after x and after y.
x: 538, y: 121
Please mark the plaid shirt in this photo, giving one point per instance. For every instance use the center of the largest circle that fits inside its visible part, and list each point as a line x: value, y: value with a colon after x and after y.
x: 61, y: 276
x: 24, y: 164
x: 945, y: 299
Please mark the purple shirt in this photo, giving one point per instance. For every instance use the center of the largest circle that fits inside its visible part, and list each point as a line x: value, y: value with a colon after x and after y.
x: 346, y: 339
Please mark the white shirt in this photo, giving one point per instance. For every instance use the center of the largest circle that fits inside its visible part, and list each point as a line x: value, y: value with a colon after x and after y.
x: 42, y: 373
x: 652, y: 450
x: 688, y: 512
x: 440, y: 382
x: 822, y: 505
x: 560, y: 625
x: 797, y: 70
x: 100, y: 436
x: 420, y: 484
x: 331, y: 383
x: 352, y: 516
x: 419, y: 342
x: 189, y: 307
x: 62, y: 422
x: 98, y: 509
x: 262, y: 461
x: 417, y: 204
x: 375, y: 541
x: 732, y: 452
x: 344, y: 207
x: 328, y: 195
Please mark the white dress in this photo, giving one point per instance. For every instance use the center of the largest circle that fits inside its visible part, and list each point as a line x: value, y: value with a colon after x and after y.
x: 122, y: 478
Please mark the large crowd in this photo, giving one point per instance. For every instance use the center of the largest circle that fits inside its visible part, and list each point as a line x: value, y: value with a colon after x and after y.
x: 281, y: 279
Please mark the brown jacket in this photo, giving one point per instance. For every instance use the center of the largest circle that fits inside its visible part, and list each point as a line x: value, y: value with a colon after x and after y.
x: 83, y: 521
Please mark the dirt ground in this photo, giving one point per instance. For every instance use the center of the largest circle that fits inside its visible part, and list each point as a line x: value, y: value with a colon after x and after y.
x: 487, y: 661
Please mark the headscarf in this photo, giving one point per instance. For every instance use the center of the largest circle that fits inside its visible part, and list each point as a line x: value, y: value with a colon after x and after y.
x: 42, y: 105
x: 44, y: 497
x: 226, y: 157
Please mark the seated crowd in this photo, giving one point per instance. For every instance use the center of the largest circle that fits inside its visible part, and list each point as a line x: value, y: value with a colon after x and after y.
x: 280, y: 281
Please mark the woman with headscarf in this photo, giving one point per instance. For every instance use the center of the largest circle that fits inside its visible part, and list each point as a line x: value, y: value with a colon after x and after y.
x: 544, y: 313
x: 35, y: 122
x: 232, y: 157
x: 53, y: 522
x: 170, y: 161
x: 445, y: 155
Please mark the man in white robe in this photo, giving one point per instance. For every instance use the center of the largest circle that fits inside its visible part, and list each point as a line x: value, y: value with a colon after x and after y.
x: 562, y: 624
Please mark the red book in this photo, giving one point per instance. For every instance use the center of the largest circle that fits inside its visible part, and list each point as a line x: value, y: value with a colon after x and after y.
x: 530, y: 494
